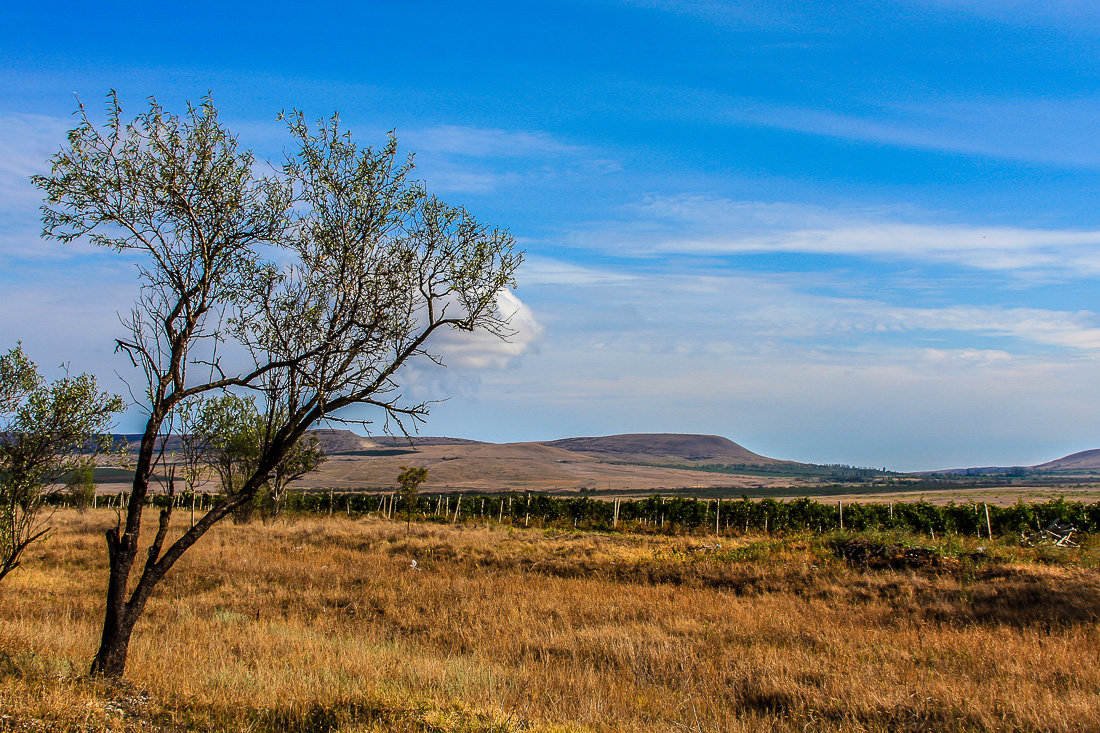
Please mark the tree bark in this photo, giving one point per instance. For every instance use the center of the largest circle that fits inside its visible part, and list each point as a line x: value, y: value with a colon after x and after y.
x: 121, y: 614
x: 118, y: 620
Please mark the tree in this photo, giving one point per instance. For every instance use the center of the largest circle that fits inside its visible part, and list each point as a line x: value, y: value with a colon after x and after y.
x: 47, y: 431
x: 330, y: 274
x: 227, y: 434
x: 408, y: 482
x: 80, y: 483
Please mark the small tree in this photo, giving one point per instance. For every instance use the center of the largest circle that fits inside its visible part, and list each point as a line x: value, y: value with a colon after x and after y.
x: 330, y: 275
x: 304, y: 456
x: 80, y: 484
x: 228, y: 435
x: 408, y: 482
x: 47, y: 430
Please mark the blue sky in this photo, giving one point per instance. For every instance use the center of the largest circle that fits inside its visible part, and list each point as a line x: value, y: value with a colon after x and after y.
x: 836, y: 232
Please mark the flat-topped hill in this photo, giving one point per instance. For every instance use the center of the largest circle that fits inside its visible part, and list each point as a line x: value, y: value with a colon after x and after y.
x: 644, y: 462
x: 664, y: 448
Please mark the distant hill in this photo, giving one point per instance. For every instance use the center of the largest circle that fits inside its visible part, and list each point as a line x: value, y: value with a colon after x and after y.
x: 665, y: 448
x: 615, y: 463
x: 332, y: 441
x: 980, y: 471
x: 1086, y: 460
x: 342, y: 441
x: 421, y: 440
x: 132, y: 441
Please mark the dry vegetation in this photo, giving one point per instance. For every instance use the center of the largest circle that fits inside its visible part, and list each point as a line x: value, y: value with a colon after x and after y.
x: 322, y: 624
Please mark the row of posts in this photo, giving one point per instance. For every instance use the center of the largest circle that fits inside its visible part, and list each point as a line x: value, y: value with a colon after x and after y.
x: 200, y: 502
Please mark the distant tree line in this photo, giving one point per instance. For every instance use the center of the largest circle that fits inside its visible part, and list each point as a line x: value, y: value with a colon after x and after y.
x: 830, y: 471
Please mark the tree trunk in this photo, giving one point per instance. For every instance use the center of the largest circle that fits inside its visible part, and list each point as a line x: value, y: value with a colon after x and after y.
x: 122, y: 613
x: 118, y: 620
x: 110, y: 660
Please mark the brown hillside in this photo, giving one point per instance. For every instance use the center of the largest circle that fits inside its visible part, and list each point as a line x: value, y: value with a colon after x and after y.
x: 511, y: 466
x: 1086, y: 460
x: 627, y: 463
x: 664, y: 448
x: 342, y: 441
x: 400, y: 441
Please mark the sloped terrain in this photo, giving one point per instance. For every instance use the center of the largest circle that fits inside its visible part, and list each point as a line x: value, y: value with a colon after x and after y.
x: 665, y: 448
x: 618, y: 463
x: 1086, y: 460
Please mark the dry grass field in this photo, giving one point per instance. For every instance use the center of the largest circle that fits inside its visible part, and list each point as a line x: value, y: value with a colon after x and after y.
x: 323, y: 624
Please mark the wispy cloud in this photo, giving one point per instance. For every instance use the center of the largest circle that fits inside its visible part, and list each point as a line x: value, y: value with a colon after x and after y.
x: 464, y: 159
x: 1040, y: 129
x: 737, y: 15
x: 708, y: 226
x: 489, y: 142
x: 26, y: 143
x: 1073, y: 330
x: 1076, y: 16
x: 709, y: 311
x: 538, y: 270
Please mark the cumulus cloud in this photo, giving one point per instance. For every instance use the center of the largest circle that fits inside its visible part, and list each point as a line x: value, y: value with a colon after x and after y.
x: 481, y: 350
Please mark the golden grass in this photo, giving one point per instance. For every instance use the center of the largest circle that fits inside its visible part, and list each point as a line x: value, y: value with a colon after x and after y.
x: 321, y: 624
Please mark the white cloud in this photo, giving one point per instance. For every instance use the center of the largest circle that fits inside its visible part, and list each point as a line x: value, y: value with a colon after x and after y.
x: 1076, y: 16
x: 476, y: 160
x: 717, y: 312
x: 482, y: 350
x: 26, y: 143
x: 489, y: 142
x: 547, y: 271
x: 1056, y: 132
x: 1046, y: 130
x: 707, y: 226
x: 445, y: 177
x: 1079, y: 330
